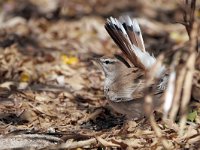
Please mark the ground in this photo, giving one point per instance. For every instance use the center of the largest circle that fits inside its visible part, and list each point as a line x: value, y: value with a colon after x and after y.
x: 51, y: 93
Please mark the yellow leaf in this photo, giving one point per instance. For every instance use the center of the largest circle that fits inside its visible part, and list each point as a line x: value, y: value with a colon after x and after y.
x: 70, y: 60
x: 73, y: 60
x: 25, y: 77
x: 179, y: 37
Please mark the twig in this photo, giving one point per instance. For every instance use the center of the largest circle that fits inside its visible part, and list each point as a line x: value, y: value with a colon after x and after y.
x: 189, y: 20
x: 169, y: 94
x: 177, y: 96
x: 106, y: 143
x: 158, y: 132
x: 75, y: 144
x: 155, y: 127
x: 188, y: 78
x: 94, y: 115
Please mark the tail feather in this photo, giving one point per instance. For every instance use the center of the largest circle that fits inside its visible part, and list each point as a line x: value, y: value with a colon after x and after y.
x: 121, y: 38
x: 133, y: 30
x: 127, y: 35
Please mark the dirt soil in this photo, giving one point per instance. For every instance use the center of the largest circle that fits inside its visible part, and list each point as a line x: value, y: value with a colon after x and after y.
x: 51, y: 93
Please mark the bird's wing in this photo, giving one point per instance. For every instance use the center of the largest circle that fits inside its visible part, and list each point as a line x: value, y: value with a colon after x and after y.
x: 127, y: 86
x: 131, y: 86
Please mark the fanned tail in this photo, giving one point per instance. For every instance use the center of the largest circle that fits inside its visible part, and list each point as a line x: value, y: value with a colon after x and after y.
x: 127, y: 35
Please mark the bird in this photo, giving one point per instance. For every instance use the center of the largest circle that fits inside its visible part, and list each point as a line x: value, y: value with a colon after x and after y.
x: 126, y: 74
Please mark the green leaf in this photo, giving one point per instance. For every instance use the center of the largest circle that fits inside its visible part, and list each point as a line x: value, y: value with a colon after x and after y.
x: 192, y: 116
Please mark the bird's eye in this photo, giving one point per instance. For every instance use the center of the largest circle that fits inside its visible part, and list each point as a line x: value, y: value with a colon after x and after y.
x: 107, y: 62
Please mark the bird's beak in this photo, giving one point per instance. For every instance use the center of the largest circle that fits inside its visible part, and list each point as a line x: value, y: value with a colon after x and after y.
x: 96, y: 62
x: 95, y: 59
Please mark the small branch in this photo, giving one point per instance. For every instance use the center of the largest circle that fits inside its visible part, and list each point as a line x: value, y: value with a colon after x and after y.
x: 177, y: 96
x: 190, y: 65
x: 158, y: 132
x: 79, y: 144
x: 189, y: 15
x: 106, y: 143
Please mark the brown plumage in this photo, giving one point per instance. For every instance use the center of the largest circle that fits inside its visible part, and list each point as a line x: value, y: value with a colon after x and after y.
x: 125, y: 77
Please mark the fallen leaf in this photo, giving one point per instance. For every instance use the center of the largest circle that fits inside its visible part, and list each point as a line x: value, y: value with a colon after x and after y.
x: 70, y: 60
x: 192, y: 116
x: 25, y: 77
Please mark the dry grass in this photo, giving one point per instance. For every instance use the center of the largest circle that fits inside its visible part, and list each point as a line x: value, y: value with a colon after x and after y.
x: 51, y: 94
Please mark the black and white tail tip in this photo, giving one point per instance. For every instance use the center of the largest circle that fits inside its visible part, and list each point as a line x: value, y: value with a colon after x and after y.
x: 126, y: 33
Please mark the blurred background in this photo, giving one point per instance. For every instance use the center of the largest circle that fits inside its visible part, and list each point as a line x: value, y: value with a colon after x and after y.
x: 46, y: 49
x: 157, y: 18
x: 47, y: 80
